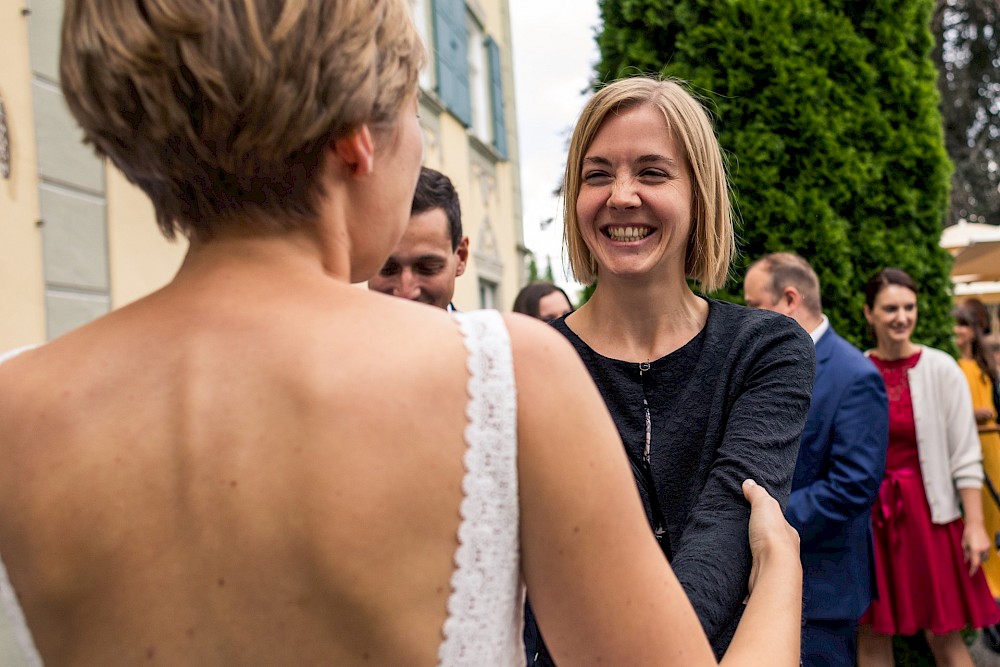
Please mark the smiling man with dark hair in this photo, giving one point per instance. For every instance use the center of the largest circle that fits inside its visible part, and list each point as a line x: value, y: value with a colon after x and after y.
x: 432, y: 252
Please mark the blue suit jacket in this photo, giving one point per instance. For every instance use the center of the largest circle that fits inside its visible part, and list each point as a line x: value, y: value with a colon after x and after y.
x: 837, y: 476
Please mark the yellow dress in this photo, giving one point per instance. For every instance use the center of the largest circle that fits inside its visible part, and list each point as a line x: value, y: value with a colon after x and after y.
x: 982, y: 397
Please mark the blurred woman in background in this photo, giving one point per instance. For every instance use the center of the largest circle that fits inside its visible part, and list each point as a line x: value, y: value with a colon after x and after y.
x: 972, y: 326
x: 927, y: 558
x: 543, y: 301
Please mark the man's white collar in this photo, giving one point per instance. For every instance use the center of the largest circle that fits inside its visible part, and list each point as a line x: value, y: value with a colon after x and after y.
x: 820, y: 329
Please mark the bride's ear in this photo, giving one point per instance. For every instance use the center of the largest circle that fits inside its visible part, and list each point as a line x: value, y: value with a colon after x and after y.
x: 356, y: 151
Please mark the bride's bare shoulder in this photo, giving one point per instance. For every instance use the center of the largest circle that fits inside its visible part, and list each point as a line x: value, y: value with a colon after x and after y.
x: 541, y: 353
x: 26, y: 375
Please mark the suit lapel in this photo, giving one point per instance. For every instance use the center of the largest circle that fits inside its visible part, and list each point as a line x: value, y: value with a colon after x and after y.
x: 824, y: 350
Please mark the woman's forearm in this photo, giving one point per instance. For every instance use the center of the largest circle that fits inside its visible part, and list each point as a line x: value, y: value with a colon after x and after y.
x: 972, y: 506
x: 976, y: 544
x: 770, y: 632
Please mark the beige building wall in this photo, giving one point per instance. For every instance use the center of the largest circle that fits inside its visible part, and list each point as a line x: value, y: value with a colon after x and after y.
x: 22, y: 304
x: 141, y: 259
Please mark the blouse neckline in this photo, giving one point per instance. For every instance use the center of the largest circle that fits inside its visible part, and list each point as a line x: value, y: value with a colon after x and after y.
x: 694, y: 343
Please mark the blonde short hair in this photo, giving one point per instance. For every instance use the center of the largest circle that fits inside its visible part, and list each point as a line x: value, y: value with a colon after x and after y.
x: 713, y: 240
x: 221, y: 110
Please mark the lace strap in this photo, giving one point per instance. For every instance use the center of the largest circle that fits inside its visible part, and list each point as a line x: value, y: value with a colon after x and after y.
x: 484, y: 622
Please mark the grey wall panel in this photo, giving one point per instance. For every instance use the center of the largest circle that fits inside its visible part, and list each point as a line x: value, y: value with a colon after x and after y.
x: 62, y: 156
x: 74, y: 239
x: 44, y: 26
x: 65, y: 311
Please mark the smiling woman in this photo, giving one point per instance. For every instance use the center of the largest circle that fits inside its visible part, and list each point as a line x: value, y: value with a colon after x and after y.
x: 691, y: 382
x: 682, y: 143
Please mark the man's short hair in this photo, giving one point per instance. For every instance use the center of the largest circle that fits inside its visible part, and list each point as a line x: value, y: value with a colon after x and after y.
x: 434, y: 190
x: 789, y: 270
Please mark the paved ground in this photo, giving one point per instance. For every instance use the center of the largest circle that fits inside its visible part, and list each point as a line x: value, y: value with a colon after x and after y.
x: 982, y: 655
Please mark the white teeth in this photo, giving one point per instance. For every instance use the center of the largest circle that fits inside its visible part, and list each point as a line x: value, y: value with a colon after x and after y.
x: 628, y: 233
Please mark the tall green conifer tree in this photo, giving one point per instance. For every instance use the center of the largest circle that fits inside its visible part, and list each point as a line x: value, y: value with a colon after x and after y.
x: 828, y: 113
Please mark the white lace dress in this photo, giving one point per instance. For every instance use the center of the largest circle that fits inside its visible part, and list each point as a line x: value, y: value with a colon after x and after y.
x: 484, y: 623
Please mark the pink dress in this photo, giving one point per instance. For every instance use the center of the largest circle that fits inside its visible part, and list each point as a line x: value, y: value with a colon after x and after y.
x: 922, y: 579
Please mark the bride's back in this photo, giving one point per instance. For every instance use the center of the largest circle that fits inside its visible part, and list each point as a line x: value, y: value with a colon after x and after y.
x: 232, y: 470
x: 225, y: 481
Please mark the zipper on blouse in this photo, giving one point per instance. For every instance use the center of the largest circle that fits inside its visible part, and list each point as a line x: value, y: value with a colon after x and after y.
x: 658, y: 522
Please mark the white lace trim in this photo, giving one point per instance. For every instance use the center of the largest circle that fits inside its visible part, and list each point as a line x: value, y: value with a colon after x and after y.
x: 8, y: 598
x: 484, y: 624
x: 10, y: 354
x: 17, y: 622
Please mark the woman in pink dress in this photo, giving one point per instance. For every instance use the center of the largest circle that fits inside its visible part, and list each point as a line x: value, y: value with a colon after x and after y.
x: 927, y: 558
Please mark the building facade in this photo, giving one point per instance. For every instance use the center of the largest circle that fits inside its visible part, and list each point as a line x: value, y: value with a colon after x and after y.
x: 77, y: 240
x: 468, y: 115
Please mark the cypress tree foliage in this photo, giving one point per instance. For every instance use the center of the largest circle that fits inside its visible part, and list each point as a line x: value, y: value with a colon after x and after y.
x: 532, y: 268
x: 828, y: 112
x: 586, y: 293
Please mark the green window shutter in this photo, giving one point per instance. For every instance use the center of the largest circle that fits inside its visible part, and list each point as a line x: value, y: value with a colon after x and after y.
x: 452, y: 43
x: 496, y: 93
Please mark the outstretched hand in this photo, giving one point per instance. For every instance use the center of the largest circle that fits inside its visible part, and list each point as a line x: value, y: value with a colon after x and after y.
x: 770, y: 533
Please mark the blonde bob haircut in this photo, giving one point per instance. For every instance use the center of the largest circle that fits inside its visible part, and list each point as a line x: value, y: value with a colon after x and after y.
x: 712, y: 243
x: 221, y: 110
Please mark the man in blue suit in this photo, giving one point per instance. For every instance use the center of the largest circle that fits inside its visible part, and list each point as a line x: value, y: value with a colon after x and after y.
x: 840, y: 465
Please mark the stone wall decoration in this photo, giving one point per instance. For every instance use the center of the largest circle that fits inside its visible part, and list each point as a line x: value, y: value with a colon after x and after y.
x: 4, y: 143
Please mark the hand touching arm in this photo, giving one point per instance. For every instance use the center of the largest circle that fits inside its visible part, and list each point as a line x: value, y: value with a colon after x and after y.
x: 775, y: 588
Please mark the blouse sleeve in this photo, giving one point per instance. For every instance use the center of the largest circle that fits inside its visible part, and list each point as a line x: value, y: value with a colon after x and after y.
x: 768, y: 388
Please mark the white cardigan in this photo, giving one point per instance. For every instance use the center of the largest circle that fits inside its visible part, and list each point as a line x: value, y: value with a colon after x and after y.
x: 948, y: 446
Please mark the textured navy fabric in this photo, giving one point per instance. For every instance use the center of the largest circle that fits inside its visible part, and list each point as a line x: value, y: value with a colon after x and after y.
x: 829, y: 644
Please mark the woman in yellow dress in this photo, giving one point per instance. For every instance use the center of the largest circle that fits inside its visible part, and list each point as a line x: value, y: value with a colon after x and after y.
x: 972, y: 324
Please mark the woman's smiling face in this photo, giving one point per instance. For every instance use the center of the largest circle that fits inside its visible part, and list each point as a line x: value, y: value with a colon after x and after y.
x: 893, y: 315
x: 634, y: 206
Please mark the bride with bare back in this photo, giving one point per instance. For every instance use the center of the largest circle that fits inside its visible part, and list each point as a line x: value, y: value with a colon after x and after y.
x: 260, y: 464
